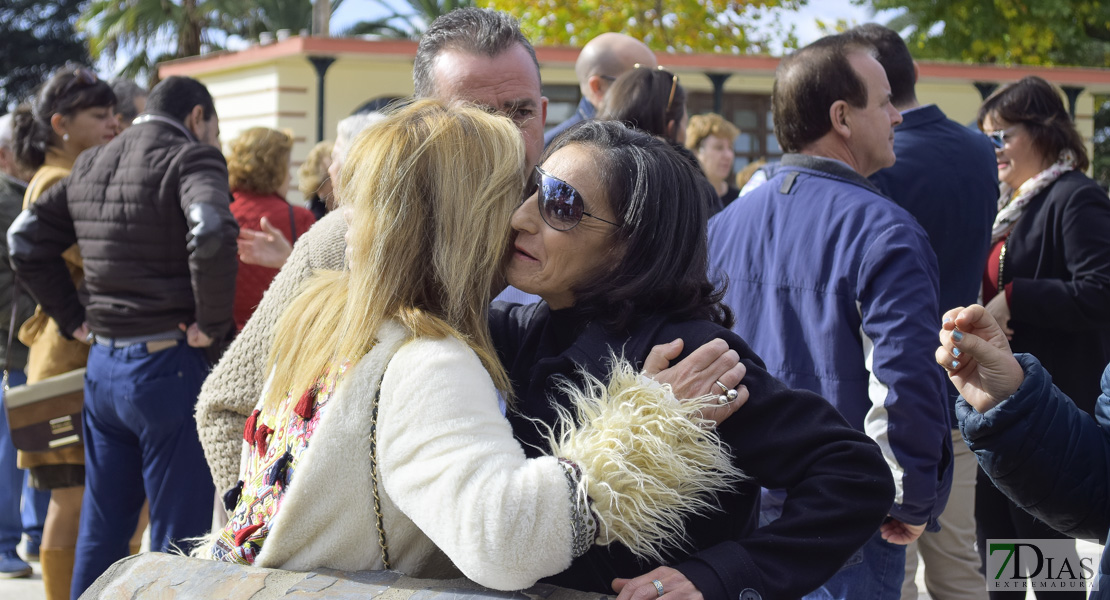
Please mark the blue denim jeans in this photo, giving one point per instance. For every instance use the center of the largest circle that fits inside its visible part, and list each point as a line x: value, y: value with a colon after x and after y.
x: 141, y: 442
x: 22, y: 508
x: 874, y: 572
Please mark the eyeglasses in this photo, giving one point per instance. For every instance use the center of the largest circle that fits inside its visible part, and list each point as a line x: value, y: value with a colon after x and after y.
x: 998, y: 138
x: 674, y: 84
x: 560, y: 205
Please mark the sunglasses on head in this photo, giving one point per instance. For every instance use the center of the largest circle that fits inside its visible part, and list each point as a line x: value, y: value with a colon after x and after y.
x: 674, y: 84
x: 82, y: 76
x: 998, y: 138
x: 560, y: 205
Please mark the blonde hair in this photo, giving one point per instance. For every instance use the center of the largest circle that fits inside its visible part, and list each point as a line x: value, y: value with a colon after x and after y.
x: 314, y: 170
x: 259, y: 160
x: 431, y: 190
x: 703, y: 126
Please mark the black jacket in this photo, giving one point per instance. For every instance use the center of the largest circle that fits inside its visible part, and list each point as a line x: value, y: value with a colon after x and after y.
x: 1058, y: 260
x: 11, y: 202
x: 149, y: 211
x: 840, y: 488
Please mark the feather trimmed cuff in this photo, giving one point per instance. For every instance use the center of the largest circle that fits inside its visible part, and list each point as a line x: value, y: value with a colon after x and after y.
x: 647, y: 460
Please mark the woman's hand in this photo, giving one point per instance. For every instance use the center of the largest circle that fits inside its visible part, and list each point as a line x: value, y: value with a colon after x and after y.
x: 267, y: 248
x: 1000, y: 310
x: 674, y: 583
x: 697, y: 375
x: 977, y: 357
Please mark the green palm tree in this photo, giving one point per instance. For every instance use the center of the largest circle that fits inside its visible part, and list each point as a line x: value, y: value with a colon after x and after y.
x: 408, y: 23
x: 137, y: 26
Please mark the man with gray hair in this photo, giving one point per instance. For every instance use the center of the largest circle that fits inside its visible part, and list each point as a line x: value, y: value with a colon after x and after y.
x: 130, y: 101
x: 600, y: 62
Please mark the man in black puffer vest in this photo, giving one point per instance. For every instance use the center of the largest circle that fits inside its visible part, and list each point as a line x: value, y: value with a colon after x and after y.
x: 149, y: 211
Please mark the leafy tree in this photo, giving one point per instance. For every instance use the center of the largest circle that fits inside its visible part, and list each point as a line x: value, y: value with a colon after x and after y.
x: 252, y: 17
x: 140, y: 28
x: 407, y: 23
x: 677, y: 26
x: 1028, y: 32
x: 39, y: 37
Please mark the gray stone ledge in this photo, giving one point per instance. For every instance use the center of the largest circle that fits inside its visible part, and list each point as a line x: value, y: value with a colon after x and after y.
x: 169, y: 577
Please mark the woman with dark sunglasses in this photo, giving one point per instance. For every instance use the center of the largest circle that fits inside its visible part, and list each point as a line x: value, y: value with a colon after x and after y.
x: 1047, y: 279
x: 71, y: 113
x: 613, y: 238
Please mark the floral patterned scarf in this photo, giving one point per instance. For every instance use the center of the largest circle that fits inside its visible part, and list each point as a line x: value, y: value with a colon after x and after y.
x: 1011, y: 203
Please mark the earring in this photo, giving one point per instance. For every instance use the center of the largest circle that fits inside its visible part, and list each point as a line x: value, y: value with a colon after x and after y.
x: 65, y: 137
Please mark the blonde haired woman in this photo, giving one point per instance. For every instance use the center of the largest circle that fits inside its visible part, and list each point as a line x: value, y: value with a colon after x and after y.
x: 258, y: 174
x: 710, y: 138
x: 381, y: 419
x: 314, y: 182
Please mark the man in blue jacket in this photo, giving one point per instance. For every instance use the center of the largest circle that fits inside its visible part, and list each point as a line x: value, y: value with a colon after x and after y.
x: 836, y: 288
x: 956, y: 210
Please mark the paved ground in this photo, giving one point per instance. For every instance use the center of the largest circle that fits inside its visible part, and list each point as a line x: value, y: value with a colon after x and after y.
x: 31, y: 589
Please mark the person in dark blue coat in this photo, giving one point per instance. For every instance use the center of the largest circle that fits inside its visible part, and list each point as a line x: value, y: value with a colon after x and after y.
x: 1049, y: 457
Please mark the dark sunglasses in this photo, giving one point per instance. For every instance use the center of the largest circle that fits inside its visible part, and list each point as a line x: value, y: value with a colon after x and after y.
x: 82, y: 77
x: 560, y: 205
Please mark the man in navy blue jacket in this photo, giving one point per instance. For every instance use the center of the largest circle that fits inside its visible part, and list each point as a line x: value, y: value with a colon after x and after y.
x: 946, y: 177
x: 836, y: 288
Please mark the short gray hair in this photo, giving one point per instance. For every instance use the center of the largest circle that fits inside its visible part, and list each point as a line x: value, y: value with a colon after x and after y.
x: 475, y: 31
x: 126, y: 92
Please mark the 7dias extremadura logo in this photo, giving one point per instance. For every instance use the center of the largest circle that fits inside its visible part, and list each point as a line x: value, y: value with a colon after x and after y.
x: 1041, y: 565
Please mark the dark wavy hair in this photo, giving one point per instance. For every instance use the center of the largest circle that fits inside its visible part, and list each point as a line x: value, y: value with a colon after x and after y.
x: 66, y: 93
x: 639, y: 98
x: 662, y: 202
x: 1036, y: 104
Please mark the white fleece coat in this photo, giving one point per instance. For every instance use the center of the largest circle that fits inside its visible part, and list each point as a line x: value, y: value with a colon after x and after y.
x: 452, y: 476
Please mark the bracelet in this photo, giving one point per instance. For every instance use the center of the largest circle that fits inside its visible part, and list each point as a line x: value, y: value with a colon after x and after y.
x: 584, y: 522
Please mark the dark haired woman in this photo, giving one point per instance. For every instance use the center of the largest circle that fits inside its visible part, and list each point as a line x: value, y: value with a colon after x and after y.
x: 1047, y: 280
x: 621, y: 267
x: 650, y: 100
x: 71, y: 113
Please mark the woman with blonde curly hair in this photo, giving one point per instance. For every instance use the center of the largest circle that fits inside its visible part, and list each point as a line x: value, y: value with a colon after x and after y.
x: 379, y: 440
x: 314, y: 182
x: 258, y: 171
x: 710, y: 138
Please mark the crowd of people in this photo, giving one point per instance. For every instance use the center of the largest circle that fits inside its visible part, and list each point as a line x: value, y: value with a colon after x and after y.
x: 585, y: 357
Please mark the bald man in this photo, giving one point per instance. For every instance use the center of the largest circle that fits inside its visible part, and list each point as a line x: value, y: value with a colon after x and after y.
x: 602, y: 60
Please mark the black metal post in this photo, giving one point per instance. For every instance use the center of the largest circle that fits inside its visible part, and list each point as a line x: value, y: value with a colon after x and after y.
x: 718, y: 80
x: 985, y: 88
x: 1072, y: 93
x: 321, y: 63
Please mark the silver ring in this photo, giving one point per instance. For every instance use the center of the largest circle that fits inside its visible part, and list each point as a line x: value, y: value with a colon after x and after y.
x: 732, y: 395
x: 658, y: 586
x: 724, y: 388
x: 722, y: 399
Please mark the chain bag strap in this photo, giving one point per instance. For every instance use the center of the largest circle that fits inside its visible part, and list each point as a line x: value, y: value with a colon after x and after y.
x: 374, y: 476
